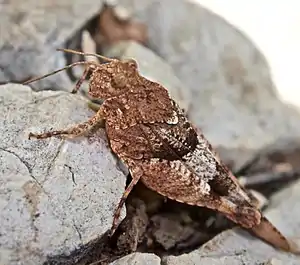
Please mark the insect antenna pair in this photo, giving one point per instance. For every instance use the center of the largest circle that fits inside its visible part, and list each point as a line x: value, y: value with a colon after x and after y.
x: 89, y: 66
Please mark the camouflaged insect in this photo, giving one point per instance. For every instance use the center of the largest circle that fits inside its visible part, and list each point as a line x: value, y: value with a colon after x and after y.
x: 149, y: 132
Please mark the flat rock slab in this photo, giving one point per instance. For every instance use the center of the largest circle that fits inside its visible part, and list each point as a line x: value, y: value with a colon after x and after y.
x: 235, y: 247
x: 55, y: 195
x: 32, y: 30
x: 138, y: 259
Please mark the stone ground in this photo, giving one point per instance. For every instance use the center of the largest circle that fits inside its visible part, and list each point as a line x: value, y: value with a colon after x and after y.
x: 55, y: 195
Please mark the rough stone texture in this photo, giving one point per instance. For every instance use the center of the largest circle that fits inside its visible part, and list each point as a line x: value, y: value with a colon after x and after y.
x: 154, y: 68
x: 273, y: 262
x: 233, y: 97
x: 32, y: 30
x: 54, y: 195
x: 138, y: 259
x: 285, y: 150
x: 236, y: 158
x: 238, y: 247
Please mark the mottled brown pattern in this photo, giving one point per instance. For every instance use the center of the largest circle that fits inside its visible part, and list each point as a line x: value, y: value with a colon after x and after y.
x: 153, y: 137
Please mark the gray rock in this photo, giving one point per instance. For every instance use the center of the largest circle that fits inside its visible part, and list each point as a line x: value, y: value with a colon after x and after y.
x: 3, y: 77
x: 234, y: 99
x: 153, y: 68
x: 138, y: 259
x: 282, y: 151
x: 170, y: 232
x: 273, y: 262
x: 54, y: 195
x: 238, y: 247
x: 30, y: 33
x: 236, y: 158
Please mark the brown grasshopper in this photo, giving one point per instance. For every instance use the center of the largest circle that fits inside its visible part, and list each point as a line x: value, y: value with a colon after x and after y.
x: 150, y: 133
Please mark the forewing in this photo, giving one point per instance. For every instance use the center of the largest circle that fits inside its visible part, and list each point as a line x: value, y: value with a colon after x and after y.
x: 175, y: 181
x: 181, y: 142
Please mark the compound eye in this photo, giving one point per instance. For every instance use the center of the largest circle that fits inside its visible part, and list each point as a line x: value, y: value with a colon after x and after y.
x: 131, y: 63
x: 119, y: 80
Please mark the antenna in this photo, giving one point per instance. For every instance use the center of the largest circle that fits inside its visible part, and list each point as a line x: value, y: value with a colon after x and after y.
x: 56, y: 71
x: 88, y: 54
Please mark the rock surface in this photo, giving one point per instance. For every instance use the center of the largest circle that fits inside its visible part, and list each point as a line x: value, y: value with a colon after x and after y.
x: 238, y: 247
x: 54, y: 195
x: 30, y: 33
x: 138, y: 259
x: 233, y: 98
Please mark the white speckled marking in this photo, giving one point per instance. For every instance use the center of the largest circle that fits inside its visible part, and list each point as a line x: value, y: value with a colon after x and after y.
x: 174, y: 119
